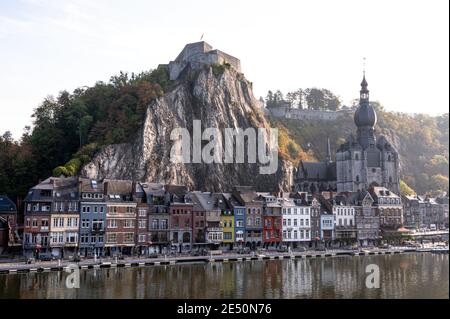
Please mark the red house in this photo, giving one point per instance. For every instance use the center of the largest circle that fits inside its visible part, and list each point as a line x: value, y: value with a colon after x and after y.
x: 272, y: 233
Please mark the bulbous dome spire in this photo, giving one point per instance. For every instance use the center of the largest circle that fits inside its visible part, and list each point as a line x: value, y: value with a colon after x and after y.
x: 365, y: 114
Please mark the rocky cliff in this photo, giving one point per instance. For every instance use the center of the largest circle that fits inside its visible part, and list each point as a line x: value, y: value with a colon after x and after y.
x: 220, y: 100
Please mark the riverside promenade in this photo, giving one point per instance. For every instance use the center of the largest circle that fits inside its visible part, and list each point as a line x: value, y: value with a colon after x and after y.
x: 61, y: 265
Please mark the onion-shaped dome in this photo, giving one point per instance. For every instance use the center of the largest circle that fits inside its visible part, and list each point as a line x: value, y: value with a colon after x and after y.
x: 365, y: 116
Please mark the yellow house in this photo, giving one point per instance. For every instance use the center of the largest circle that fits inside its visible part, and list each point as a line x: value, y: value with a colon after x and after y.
x: 227, y: 225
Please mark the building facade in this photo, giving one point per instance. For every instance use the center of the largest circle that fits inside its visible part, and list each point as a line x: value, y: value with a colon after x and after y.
x: 120, y: 228
x: 8, y: 216
x: 92, y: 218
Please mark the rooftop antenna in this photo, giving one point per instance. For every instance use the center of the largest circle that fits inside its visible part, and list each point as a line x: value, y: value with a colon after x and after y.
x: 364, y: 66
x: 202, y: 36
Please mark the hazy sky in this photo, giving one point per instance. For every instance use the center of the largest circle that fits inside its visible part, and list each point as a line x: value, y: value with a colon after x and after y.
x: 50, y: 45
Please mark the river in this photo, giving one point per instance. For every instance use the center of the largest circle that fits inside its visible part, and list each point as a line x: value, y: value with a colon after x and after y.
x: 414, y: 275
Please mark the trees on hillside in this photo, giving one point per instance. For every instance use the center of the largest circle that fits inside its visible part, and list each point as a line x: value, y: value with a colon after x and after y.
x: 311, y: 98
x: 69, y: 128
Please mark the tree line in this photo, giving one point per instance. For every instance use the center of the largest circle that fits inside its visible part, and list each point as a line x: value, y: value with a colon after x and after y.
x: 310, y: 98
x: 68, y: 129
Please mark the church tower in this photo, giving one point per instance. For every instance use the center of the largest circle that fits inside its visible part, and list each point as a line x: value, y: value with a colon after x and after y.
x: 365, y: 118
x: 366, y: 161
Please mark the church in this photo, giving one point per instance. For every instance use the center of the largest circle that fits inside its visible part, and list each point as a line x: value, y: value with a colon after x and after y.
x: 361, y: 162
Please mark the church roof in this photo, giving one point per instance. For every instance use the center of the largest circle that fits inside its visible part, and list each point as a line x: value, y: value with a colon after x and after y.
x: 318, y: 170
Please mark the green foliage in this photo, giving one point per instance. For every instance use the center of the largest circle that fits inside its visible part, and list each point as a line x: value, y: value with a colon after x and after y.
x: 60, y: 170
x: 405, y: 189
x: 75, y: 125
x: 73, y: 166
x: 218, y: 69
x: 312, y: 98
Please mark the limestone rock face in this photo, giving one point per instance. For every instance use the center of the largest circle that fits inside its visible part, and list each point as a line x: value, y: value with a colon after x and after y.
x: 220, y: 101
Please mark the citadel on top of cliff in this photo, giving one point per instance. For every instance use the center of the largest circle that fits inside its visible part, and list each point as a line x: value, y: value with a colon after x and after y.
x: 197, y: 54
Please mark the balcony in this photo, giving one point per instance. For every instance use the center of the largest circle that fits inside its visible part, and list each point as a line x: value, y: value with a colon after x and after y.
x: 97, y: 230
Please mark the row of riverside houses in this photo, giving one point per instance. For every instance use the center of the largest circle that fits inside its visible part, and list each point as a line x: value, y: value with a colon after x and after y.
x: 68, y: 216
x: 424, y: 211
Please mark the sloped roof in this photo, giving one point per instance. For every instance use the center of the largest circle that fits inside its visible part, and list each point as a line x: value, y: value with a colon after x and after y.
x: 321, y: 171
x: 118, y: 187
x: 87, y: 185
x: 155, y: 189
x: 7, y: 205
x: 177, y: 190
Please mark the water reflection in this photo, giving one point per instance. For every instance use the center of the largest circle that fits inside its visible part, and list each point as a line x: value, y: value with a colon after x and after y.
x: 402, y: 276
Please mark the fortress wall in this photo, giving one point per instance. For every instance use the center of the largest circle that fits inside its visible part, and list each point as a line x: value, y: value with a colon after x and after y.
x: 300, y: 114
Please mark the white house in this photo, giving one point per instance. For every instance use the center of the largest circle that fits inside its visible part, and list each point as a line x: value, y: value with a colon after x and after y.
x: 296, y: 223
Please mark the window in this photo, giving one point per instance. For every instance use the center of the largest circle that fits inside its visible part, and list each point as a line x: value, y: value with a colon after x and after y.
x: 155, y: 224
x: 95, y: 209
x: 302, y: 222
x: 142, y: 223
x: 85, y: 223
x: 111, y: 238
x: 239, y: 223
x: 142, y: 238
x: 112, y: 223
x: 129, y: 209
x: 100, y: 239
x: 295, y: 222
x: 129, y: 223
x: 112, y: 209
x: 84, y: 239
x: 27, y: 223
x: 165, y: 224
x: 128, y: 237
x: 295, y: 234
x: 142, y: 212
x: 97, y: 224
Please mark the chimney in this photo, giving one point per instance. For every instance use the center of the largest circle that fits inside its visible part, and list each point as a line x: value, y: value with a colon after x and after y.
x: 133, y: 189
x: 79, y: 185
x: 105, y: 188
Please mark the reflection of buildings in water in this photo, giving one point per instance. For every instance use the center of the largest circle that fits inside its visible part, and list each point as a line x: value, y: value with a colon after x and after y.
x: 253, y: 279
x: 227, y: 285
x: 272, y: 278
x: 402, y: 276
x: 239, y: 277
x: 297, y: 279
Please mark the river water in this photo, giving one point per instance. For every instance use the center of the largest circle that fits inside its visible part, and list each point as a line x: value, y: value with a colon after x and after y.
x: 415, y: 275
